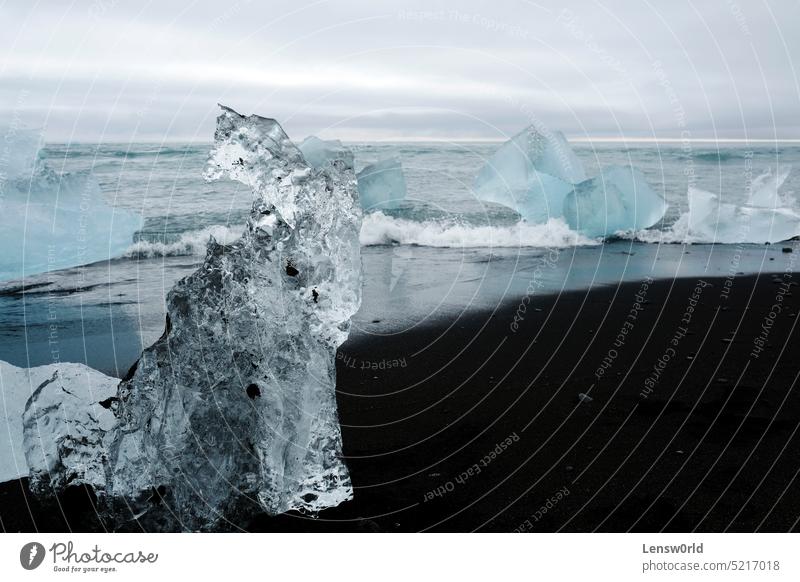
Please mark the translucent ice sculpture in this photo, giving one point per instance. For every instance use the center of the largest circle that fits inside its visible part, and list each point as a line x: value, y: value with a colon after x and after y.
x: 382, y: 185
x: 51, y: 221
x: 531, y: 173
x: 233, y: 409
x: 767, y: 217
x: 618, y: 200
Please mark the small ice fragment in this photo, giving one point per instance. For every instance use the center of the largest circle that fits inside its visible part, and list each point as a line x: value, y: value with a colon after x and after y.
x: 766, y: 218
x: 16, y: 386
x: 584, y: 397
x: 67, y: 420
x: 764, y: 189
x: 382, y: 185
x: 318, y: 152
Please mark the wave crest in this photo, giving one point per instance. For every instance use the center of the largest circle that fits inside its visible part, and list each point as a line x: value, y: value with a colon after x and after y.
x: 189, y: 243
x: 380, y: 229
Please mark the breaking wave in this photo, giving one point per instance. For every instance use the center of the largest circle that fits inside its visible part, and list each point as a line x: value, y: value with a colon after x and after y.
x: 380, y: 229
x: 189, y: 243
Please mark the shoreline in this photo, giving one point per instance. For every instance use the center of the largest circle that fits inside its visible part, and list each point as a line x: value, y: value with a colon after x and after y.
x: 691, y: 425
x: 106, y: 313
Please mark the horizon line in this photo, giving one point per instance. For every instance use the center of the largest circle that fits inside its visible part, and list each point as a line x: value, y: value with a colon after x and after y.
x: 576, y: 139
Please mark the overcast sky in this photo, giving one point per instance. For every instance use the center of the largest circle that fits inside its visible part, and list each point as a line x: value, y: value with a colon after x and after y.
x: 117, y: 70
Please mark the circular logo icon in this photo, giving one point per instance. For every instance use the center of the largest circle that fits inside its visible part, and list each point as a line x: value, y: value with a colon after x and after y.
x: 31, y: 555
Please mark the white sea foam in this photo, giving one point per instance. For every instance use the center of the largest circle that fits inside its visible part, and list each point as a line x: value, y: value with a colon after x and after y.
x: 192, y: 242
x: 380, y: 229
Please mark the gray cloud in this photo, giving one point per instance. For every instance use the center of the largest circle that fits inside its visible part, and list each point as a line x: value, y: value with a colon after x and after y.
x: 118, y: 71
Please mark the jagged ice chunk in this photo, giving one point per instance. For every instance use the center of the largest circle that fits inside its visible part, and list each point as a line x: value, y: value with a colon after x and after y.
x: 531, y: 173
x: 767, y: 217
x: 51, y: 221
x: 16, y: 387
x: 618, y: 200
x: 67, y: 420
x: 233, y: 409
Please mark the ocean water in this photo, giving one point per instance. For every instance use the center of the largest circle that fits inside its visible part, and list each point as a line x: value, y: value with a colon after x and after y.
x: 440, y: 254
x: 164, y: 184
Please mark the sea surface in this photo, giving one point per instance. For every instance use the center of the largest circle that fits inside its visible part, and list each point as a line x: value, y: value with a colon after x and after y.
x: 164, y: 183
x: 438, y: 255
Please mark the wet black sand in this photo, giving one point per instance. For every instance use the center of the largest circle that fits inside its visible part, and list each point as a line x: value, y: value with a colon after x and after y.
x: 476, y: 424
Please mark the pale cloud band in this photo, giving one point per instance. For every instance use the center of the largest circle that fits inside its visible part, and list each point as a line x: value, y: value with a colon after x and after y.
x: 121, y: 71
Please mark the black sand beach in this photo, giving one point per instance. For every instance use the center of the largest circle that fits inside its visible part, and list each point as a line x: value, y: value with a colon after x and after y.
x: 477, y: 423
